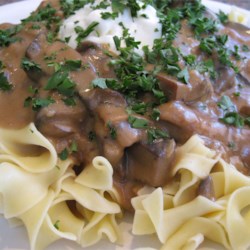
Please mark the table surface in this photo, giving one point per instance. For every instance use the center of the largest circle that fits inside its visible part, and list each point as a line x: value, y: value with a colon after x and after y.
x: 241, y: 3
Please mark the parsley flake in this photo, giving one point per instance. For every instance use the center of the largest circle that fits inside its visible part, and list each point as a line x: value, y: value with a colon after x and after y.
x: 64, y: 154
x: 137, y: 122
x: 223, y: 17
x: 7, y: 36
x: 112, y: 130
x: 29, y: 65
x: 233, y: 118
x: 38, y: 103
x: 108, y: 15
x: 155, y: 134
x: 84, y: 33
x: 100, y: 83
x: 56, y: 224
x: 4, y: 83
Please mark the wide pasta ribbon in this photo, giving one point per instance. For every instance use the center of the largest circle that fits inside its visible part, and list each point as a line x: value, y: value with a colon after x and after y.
x: 21, y: 189
x: 151, y: 215
x: 27, y: 148
x: 43, y: 192
x: 183, y: 220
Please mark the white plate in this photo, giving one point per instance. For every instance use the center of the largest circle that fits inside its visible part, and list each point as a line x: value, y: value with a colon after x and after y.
x: 16, y: 238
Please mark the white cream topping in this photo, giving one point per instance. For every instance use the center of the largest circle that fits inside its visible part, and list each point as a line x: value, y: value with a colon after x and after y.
x: 144, y: 28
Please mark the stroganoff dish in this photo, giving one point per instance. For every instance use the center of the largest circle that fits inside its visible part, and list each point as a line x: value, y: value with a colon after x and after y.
x: 133, y: 106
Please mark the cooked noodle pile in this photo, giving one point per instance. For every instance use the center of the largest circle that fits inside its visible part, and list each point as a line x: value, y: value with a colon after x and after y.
x: 44, y: 193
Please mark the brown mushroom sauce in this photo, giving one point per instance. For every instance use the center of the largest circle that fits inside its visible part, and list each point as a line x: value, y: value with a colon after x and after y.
x: 98, y: 122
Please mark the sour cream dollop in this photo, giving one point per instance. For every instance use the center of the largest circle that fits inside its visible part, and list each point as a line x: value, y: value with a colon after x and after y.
x: 144, y: 28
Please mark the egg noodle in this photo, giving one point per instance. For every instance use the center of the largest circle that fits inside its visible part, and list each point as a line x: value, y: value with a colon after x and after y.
x: 36, y: 189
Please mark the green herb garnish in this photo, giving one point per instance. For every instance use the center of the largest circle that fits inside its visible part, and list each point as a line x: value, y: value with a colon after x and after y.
x: 233, y: 118
x: 64, y: 154
x: 84, y: 33
x: 112, y: 130
x: 108, y: 15
x: 56, y: 225
x: 29, y: 65
x: 223, y: 17
x: 7, y: 36
x: 137, y: 122
x: 155, y: 134
x: 38, y: 103
x: 4, y: 83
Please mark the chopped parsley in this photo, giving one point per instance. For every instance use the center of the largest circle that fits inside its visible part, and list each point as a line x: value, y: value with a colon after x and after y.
x: 217, y: 44
x: 156, y: 114
x: 237, y: 94
x: 137, y: 122
x: 139, y: 108
x: 133, y: 79
x: 73, y: 147
x: 203, y: 25
x: 226, y: 104
x: 71, y: 65
x: 231, y: 145
x: 190, y: 59
x: 231, y: 116
x: 38, y: 103
x: 247, y: 120
x: 45, y: 15
x: 207, y: 66
x: 112, y: 130
x: 51, y: 57
x: 224, y: 57
x: 92, y: 135
x: 29, y: 65
x: 245, y: 48
x: 117, y: 42
x: 108, y: 15
x: 56, y: 224
x: 235, y: 52
x: 50, y: 37
x: 222, y: 39
x: 69, y: 101
x: 223, y: 17
x: 155, y: 134
x: 69, y: 7
x: 64, y: 154
x: 100, y: 83
x: 102, y: 5
x: 134, y: 7
x: 56, y: 80
x: 7, y: 36
x: 61, y: 82
x: 208, y: 44
x: 184, y: 75
x: 4, y: 83
x: 35, y: 27
x: 81, y: 33
x: 118, y: 6
x: 1, y: 65
x: 170, y: 20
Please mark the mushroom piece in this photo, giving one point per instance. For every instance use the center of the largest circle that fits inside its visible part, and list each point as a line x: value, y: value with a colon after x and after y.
x: 206, y: 188
x: 198, y: 88
x: 150, y: 163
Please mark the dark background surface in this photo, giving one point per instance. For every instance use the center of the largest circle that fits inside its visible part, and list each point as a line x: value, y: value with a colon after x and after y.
x: 241, y: 3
